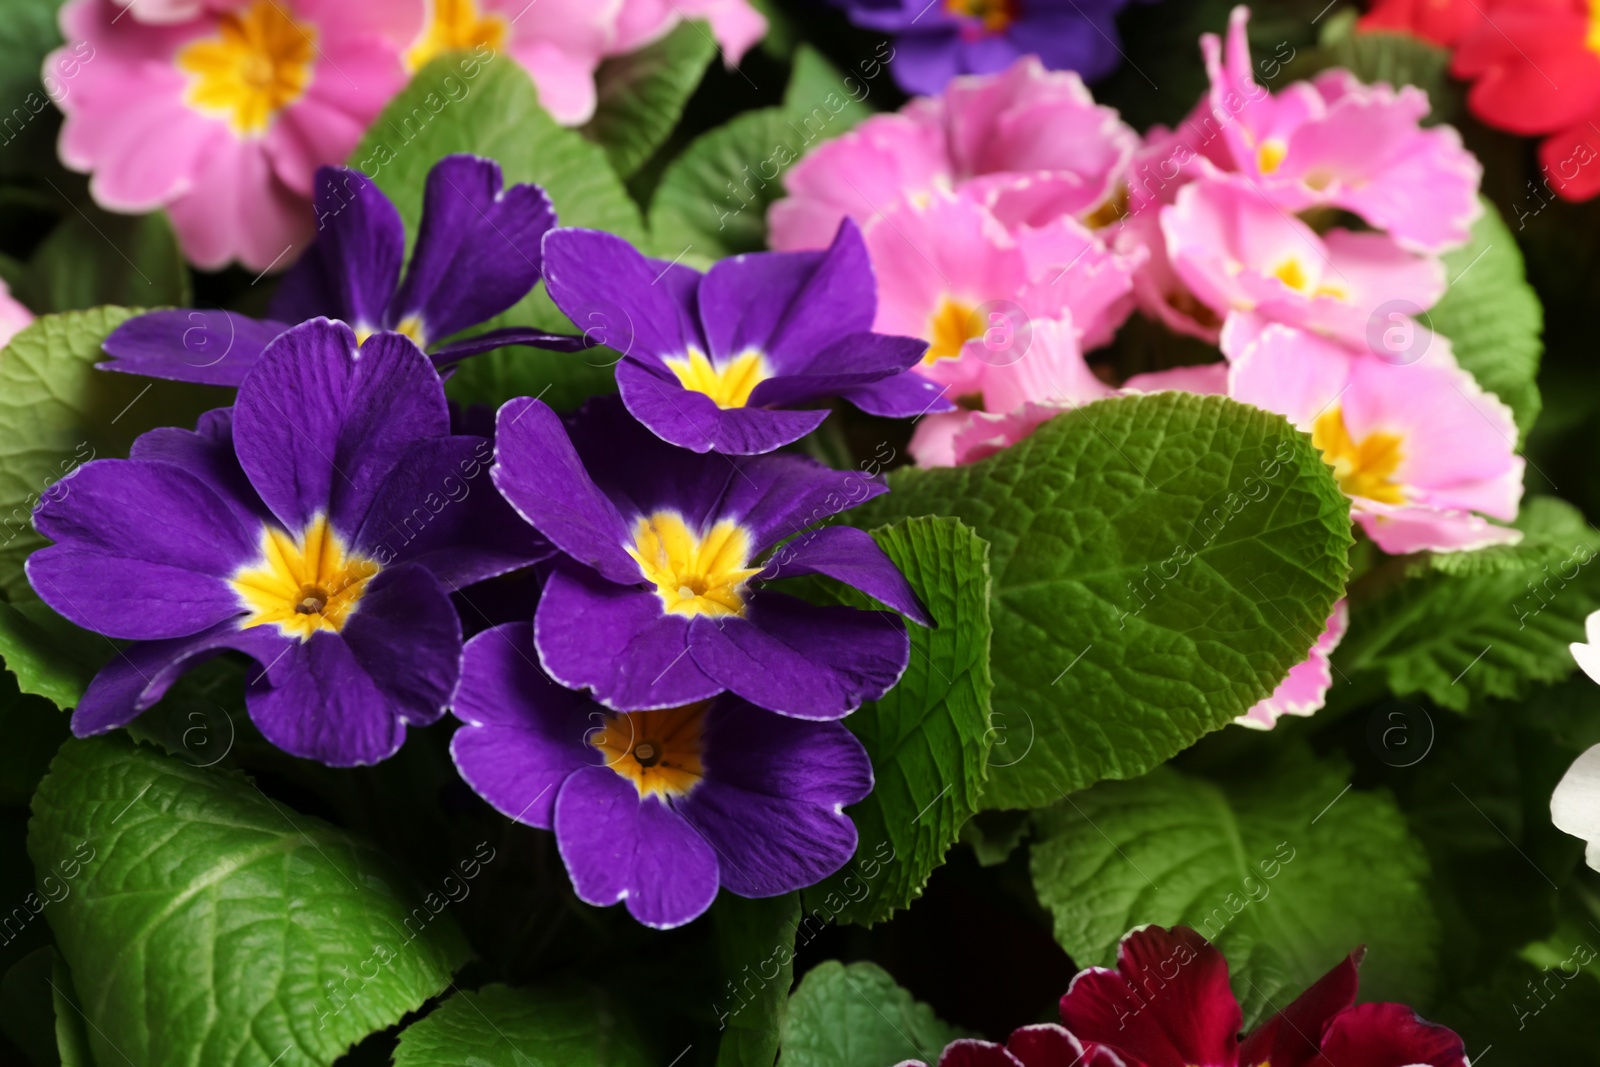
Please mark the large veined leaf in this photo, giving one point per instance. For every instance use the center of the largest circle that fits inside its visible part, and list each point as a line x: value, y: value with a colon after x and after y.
x: 755, y: 951
x: 57, y: 412
x: 1495, y: 623
x: 498, y: 1026
x: 929, y: 738
x: 206, y: 923
x: 855, y: 1015
x: 489, y: 106
x: 1284, y: 871
x: 1159, y: 563
x: 49, y: 656
x: 641, y: 95
x: 1492, y: 316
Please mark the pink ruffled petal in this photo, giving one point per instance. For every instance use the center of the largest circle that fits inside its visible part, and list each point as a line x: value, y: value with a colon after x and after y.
x: 1305, y: 688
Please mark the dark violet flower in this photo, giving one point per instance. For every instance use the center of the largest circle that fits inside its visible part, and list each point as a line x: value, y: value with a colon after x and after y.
x: 316, y: 526
x: 477, y: 253
x: 1168, y: 1004
x: 936, y: 40
x: 654, y: 606
x: 720, y: 361
x: 659, y: 807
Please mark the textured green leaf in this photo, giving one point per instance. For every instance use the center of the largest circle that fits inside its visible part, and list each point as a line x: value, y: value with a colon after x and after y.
x: 930, y: 737
x: 753, y: 936
x: 1285, y: 872
x: 93, y: 257
x: 712, y: 201
x: 1493, y: 318
x: 641, y: 95
x: 1159, y: 564
x: 57, y: 412
x: 72, y: 1032
x: 460, y: 103
x: 498, y: 1026
x: 994, y: 835
x: 854, y: 1015
x: 1469, y: 630
x: 49, y: 656
x: 1396, y: 59
x: 209, y: 924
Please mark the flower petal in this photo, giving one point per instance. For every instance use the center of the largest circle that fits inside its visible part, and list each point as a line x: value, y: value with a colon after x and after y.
x: 350, y: 271
x: 212, y: 347
x: 853, y: 557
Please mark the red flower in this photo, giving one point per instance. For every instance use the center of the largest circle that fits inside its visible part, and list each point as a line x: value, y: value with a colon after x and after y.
x: 1168, y: 1004
x: 1440, y: 21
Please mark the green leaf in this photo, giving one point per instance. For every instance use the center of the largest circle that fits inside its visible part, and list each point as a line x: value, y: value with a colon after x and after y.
x: 72, y: 1033
x: 1396, y: 59
x: 498, y: 1026
x: 854, y: 1015
x: 1284, y: 871
x: 994, y: 835
x: 27, y: 1012
x: 712, y: 201
x: 49, y: 656
x: 209, y: 924
x: 642, y: 94
x: 57, y: 412
x: 27, y: 34
x: 1159, y: 562
x: 1492, y: 316
x: 488, y: 106
x: 1468, y: 630
x: 752, y: 934
x: 93, y: 257
x: 929, y: 737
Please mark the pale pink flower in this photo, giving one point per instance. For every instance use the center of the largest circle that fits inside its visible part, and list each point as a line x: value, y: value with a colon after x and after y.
x: 1236, y: 251
x: 1337, y: 142
x: 1305, y: 689
x: 1418, y: 448
x: 224, y: 119
x: 13, y: 316
x: 167, y: 12
x: 1575, y: 804
x: 1029, y: 144
x: 734, y: 23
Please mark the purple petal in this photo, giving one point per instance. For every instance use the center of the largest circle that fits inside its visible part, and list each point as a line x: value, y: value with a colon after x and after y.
x: 618, y: 642
x: 538, y: 471
x: 618, y: 847
x: 406, y: 636
x: 141, y: 674
x: 320, y: 421
x: 609, y: 290
x: 524, y: 733
x: 350, y: 271
x: 317, y: 702
x: 438, y: 508
x: 854, y: 558
x: 790, y: 305
x: 142, y: 550
x: 903, y: 396
x: 782, y: 495
x: 447, y: 355
x: 207, y: 453
x: 190, y: 345
x: 692, y: 420
x: 771, y: 797
x: 799, y: 659
x: 851, y: 361
x: 477, y: 249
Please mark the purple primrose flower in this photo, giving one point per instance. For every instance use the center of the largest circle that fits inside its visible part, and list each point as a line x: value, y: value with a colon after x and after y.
x: 653, y: 606
x: 317, y: 526
x: 477, y: 253
x: 739, y: 360
x: 657, y: 808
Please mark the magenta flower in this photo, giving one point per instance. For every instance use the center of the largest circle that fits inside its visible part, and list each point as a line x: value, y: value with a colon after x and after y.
x: 224, y: 119
x: 14, y: 317
x: 1029, y: 144
x: 1168, y: 1004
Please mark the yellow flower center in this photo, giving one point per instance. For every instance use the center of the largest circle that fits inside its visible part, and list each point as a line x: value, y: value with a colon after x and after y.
x: 951, y: 326
x: 1296, y: 275
x: 456, y: 24
x: 1363, y: 468
x: 658, y: 751
x: 996, y: 15
x: 728, y: 385
x: 1269, y: 157
x: 411, y: 326
x: 1112, y: 209
x: 259, y: 63
x: 693, y: 574
x: 1592, y: 41
x: 303, y: 585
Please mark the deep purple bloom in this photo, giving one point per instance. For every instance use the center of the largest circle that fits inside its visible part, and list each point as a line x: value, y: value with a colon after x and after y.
x: 936, y: 40
x: 317, y: 526
x: 657, y: 807
x: 653, y: 607
x: 477, y: 254
x: 721, y: 361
